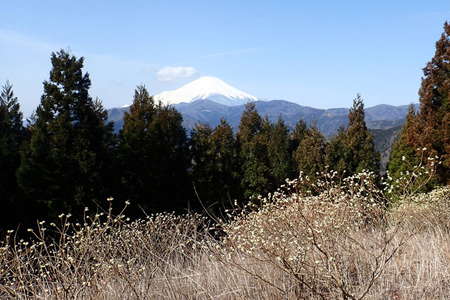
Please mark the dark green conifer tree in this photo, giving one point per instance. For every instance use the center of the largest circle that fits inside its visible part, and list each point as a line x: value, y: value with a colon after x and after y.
x: 403, y: 155
x: 215, y: 166
x: 337, y: 153
x: 295, y: 138
x: 359, y: 141
x: 203, y: 164
x: 297, y: 135
x: 227, y: 165
x: 12, y: 135
x: 65, y: 165
x: 278, y: 153
x: 253, y: 153
x: 310, y: 154
x: 154, y: 156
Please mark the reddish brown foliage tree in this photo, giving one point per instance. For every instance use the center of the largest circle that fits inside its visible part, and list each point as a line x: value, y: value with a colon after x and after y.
x: 432, y: 128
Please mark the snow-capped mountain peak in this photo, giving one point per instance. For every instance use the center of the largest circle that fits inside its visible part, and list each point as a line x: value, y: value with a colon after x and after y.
x: 206, y: 87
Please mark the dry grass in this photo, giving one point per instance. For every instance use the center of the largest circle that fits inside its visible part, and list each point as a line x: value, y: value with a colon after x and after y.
x: 337, y: 244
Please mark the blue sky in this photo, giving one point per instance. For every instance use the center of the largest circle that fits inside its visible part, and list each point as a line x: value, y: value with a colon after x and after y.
x: 316, y: 53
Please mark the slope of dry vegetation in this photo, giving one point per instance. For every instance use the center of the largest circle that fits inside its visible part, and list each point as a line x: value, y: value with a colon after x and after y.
x: 322, y: 240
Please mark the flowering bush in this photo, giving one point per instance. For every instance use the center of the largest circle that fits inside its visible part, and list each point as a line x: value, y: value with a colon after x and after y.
x: 327, y: 238
x: 316, y: 236
x: 414, y: 179
x: 67, y: 258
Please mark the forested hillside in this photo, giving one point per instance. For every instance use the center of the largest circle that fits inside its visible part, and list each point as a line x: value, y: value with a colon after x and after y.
x: 69, y: 156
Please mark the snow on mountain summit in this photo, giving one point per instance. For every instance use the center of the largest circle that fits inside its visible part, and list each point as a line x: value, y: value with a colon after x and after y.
x: 207, y: 87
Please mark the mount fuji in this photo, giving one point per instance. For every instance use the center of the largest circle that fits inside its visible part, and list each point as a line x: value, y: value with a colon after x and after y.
x: 208, y: 99
x: 206, y: 88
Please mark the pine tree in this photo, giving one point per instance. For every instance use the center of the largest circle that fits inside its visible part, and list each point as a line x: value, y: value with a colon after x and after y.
x: 403, y: 154
x: 433, y: 121
x: 359, y: 141
x: 310, y: 154
x: 253, y: 153
x: 250, y: 124
x: 135, y: 152
x: 154, y: 155
x: 65, y: 164
x: 352, y: 150
x: 203, y: 164
x: 337, y: 153
x: 215, y: 166
x: 278, y: 152
x: 12, y: 135
x: 297, y: 135
x: 227, y: 165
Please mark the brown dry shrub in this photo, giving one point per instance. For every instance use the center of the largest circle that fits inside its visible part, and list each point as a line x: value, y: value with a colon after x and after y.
x: 326, y: 240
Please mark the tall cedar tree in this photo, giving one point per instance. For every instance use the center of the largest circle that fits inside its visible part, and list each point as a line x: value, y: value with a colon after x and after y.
x: 253, y: 152
x: 12, y: 134
x: 226, y: 163
x: 337, y: 153
x: 359, y: 141
x: 65, y: 164
x: 278, y: 151
x: 215, y: 167
x: 297, y: 135
x: 433, y: 121
x: 154, y: 156
x: 203, y: 165
x: 310, y: 154
x: 403, y: 154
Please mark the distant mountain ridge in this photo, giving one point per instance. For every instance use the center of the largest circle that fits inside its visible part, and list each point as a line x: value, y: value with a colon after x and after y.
x: 384, y: 121
x: 327, y: 120
x: 209, y: 99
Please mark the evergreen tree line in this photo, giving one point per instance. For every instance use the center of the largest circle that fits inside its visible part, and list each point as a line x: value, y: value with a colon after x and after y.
x: 68, y: 158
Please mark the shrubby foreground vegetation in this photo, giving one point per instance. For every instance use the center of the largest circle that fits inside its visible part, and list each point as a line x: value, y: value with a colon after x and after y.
x: 322, y: 239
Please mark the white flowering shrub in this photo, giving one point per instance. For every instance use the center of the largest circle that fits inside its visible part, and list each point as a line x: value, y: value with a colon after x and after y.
x: 317, y: 237
x: 413, y: 180
x: 328, y: 238
x: 65, y: 259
